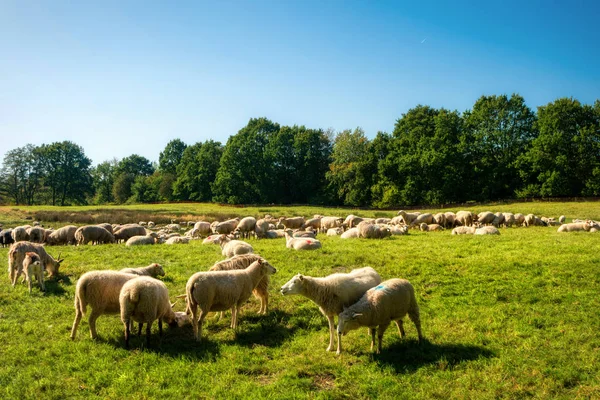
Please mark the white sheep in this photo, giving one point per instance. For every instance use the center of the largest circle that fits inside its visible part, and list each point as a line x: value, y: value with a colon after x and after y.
x: 350, y: 233
x: 314, y: 223
x: 230, y: 248
x: 440, y: 219
x: 99, y: 289
x: 450, y: 219
x: 334, y: 292
x: 154, y: 270
x: 62, y: 236
x: 19, y: 233
x: 260, y: 228
x: 301, y: 243
x: 177, y: 240
x: 519, y: 219
x: 93, y: 233
x: 33, y: 267
x: 562, y: 219
x: 389, y: 301
x: 246, y: 226
x: 144, y: 300
x: 292, y: 223
x: 464, y: 230
x: 124, y: 232
x: 335, y: 231
x: 226, y: 227
x: 142, y: 240
x: 371, y: 231
x: 221, y: 291
x: 576, y: 226
x: 509, y: 219
x: 430, y: 227
x: 422, y: 218
x: 16, y: 255
x: 485, y: 217
x: 331, y: 222
x: 464, y: 218
x: 408, y: 218
x: 399, y: 230
x: 487, y: 230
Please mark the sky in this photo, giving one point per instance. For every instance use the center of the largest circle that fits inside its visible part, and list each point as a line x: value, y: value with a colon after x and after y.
x: 126, y: 77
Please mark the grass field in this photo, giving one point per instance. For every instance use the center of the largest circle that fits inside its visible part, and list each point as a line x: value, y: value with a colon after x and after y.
x: 510, y: 316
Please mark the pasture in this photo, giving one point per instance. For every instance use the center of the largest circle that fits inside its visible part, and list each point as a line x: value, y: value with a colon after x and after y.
x: 507, y: 316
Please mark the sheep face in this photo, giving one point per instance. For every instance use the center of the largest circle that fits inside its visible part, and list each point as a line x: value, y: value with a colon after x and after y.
x: 267, y: 268
x: 181, y: 319
x: 159, y: 269
x: 293, y: 286
x: 347, y: 321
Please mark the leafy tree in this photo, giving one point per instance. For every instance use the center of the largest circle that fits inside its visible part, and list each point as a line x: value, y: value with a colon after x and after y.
x: 21, y: 174
x: 103, y: 176
x: 499, y: 129
x: 312, y: 149
x: 135, y: 165
x: 564, y: 160
x: 197, y: 171
x: 121, y: 189
x: 144, y: 189
x: 171, y: 156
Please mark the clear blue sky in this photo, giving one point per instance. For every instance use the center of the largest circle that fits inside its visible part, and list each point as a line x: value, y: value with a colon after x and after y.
x: 126, y: 77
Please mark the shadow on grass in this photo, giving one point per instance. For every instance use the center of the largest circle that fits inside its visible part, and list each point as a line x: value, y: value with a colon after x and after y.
x: 54, y: 285
x: 269, y: 330
x: 408, y: 355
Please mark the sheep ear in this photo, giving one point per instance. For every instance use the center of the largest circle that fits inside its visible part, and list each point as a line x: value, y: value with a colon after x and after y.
x: 301, y: 277
x: 181, y: 296
x: 354, y: 315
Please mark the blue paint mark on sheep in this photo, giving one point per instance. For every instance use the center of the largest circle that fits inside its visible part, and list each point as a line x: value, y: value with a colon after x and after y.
x: 380, y: 287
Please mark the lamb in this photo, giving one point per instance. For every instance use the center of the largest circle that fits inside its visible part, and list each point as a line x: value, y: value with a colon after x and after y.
x: 350, y: 233
x: 154, y: 270
x: 292, y: 223
x: 212, y: 239
x: 99, y: 289
x: 261, y: 291
x: 408, y: 218
x: 62, y: 236
x: 335, y: 231
x: 142, y: 240
x: 246, y: 226
x: 32, y: 265
x: 93, y: 233
x: 399, y: 230
x: 144, y: 300
x: 422, y: 218
x: 430, y: 227
x: 464, y: 230
x: 124, y: 232
x: 464, y: 218
x: 301, y: 243
x: 177, y: 240
x: 226, y: 227
x: 576, y: 227
x: 334, y: 292
x: 19, y: 234
x: 487, y: 230
x: 203, y: 228
x: 230, y: 248
x: 378, y: 307
x: 222, y: 290
x: 371, y: 231
x: 16, y: 255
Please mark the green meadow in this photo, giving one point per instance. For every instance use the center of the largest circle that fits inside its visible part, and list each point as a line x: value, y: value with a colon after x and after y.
x: 509, y: 316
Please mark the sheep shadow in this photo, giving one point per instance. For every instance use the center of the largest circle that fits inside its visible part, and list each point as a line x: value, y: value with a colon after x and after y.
x: 269, y: 330
x: 407, y: 356
x: 54, y: 285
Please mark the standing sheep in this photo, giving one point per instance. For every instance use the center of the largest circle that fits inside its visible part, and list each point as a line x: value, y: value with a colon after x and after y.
x: 261, y: 228
x: 422, y: 218
x: 62, y: 236
x: 440, y: 219
x: 334, y: 292
x: 144, y: 300
x: 485, y: 217
x: 331, y: 222
x: 124, y: 232
x: 222, y: 290
x: 33, y: 267
x: 93, y: 233
x: 16, y: 255
x: 246, y: 226
x: 450, y: 219
x: 226, y: 227
x: 292, y: 223
x: 203, y: 228
x: 314, y: 223
x: 37, y: 234
x: 464, y: 218
x: 408, y: 218
x: 19, y: 234
x: 378, y: 307
x: 6, y: 238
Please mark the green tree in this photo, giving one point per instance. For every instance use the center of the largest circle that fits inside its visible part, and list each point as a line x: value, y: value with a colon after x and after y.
x: 171, y: 156
x: 21, y: 174
x: 197, y: 171
x: 121, y: 189
x: 135, y: 165
x: 103, y: 176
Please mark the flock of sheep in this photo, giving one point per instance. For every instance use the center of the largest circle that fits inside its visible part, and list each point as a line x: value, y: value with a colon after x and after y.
x: 358, y: 298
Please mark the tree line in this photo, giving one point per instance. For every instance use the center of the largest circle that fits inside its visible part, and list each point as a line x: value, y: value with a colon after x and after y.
x: 499, y: 149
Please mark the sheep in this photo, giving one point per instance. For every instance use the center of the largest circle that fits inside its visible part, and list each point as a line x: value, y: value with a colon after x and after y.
x: 106, y: 226
x: 142, y: 240
x: 124, y: 232
x: 261, y: 291
x: 422, y: 218
x: 154, y: 270
x: 246, y: 226
x: 93, y: 233
x: 19, y: 234
x: 440, y: 219
x: 399, y: 230
x: 142, y: 223
x: 62, y: 236
x: 306, y: 234
x: 292, y: 223
x: 450, y: 218
x: 397, y: 220
x: 485, y: 217
x: 260, y: 228
x: 334, y: 292
x: 430, y: 227
x: 509, y: 219
x: 487, y: 230
x: 16, y: 255
x: 371, y: 231
x: 464, y: 218
x: 519, y: 219
x: 301, y: 243
x: 144, y: 300
x: 382, y: 221
x: 314, y: 223
x: 99, y: 289
x: 230, y: 248
x: 173, y: 227
x: 532, y: 220
x: 389, y: 301
x: 334, y: 231
x: 177, y: 240
x: 350, y: 233
x: 275, y: 234
x: 408, y: 218
x: 203, y: 228
x: 498, y: 219
x: 222, y: 290
x: 331, y: 222
x: 464, y: 230
x: 562, y: 219
x: 37, y: 234
x: 225, y: 227
x: 212, y: 239
x: 33, y: 267
x: 576, y: 227
x: 6, y: 238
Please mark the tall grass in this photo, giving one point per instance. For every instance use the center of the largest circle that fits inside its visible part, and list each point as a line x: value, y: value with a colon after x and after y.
x: 509, y: 316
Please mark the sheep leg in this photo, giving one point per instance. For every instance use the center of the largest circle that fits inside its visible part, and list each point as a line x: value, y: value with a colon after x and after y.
x: 199, y: 324
x: 148, y: 330
x: 372, y: 333
x: 78, y: 315
x: 127, y: 324
x: 400, y: 326
x: 92, y: 322
x: 194, y: 311
x: 331, y: 334
x: 41, y: 281
x: 415, y: 318
x: 16, y: 276
x: 140, y: 326
x: 339, y: 347
x: 160, y: 332
x: 380, y: 331
x: 234, y: 311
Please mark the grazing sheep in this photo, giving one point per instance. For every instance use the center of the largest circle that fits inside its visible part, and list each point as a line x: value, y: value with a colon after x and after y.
x: 223, y: 290
x: 464, y: 230
x: 464, y: 218
x: 261, y: 228
x: 440, y: 219
x: 203, y: 228
x: 230, y: 248
x: 576, y: 227
x: 261, y: 291
x: 142, y: 240
x: 334, y: 292
x: 154, y: 270
x: 212, y: 239
x: 292, y: 223
x: 144, y: 300
x: 37, y: 234
x: 62, y: 236
x: 335, y: 231
x: 226, y: 227
x: 314, y: 223
x: 32, y: 265
x: 350, y: 233
x: 382, y: 221
x: 99, y: 289
x: 408, y: 218
x: 498, y: 219
x: 6, y: 238
x: 177, y: 240
x: 450, y: 218
x: 389, y: 301
x: 422, y: 218
x: 562, y: 219
x: 370, y: 231
x: 301, y: 243
x: 331, y: 222
x: 124, y: 232
x: 246, y: 226
x: 519, y: 219
x: 509, y: 219
x: 93, y: 233
x: 485, y: 217
x: 430, y: 227
x: 16, y: 255
x: 19, y: 234
x: 487, y: 230
x: 532, y: 220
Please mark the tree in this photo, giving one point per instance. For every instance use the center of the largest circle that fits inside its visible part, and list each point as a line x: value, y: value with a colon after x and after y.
x: 171, y: 156
x: 21, y: 174
x: 103, y: 176
x: 197, y: 171
x: 135, y: 165
x: 121, y: 189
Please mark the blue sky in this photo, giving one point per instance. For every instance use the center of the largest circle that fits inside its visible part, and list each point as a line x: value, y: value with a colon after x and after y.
x: 127, y: 77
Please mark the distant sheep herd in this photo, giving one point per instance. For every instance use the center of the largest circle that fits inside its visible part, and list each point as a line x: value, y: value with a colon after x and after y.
x: 358, y: 298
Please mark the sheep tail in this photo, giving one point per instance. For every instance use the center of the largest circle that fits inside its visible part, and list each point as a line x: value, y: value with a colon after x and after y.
x: 80, y: 304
